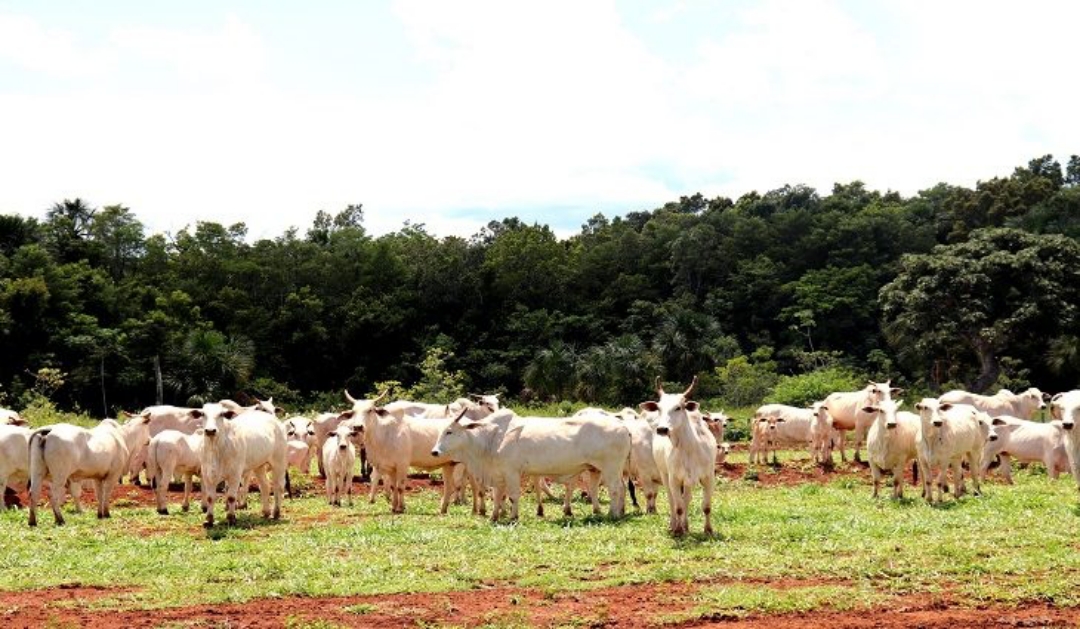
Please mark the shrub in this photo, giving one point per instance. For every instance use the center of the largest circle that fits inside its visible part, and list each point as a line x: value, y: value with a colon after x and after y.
x: 805, y: 389
x: 741, y: 382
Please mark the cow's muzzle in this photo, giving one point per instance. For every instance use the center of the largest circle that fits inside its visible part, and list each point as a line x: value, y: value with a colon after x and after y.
x: 662, y: 430
x: 434, y: 453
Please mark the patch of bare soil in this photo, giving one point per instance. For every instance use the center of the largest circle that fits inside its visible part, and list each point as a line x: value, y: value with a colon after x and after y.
x: 623, y: 606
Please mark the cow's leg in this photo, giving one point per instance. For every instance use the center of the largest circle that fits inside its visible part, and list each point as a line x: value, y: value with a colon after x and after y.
x: 593, y: 489
x: 56, y: 495
x: 232, y: 488
x: 449, y: 488
x: 209, y: 492
x: 616, y: 493
x: 187, y: 493
x: 707, y: 485
x: 99, y: 497
x: 513, y: 491
x: 875, y: 473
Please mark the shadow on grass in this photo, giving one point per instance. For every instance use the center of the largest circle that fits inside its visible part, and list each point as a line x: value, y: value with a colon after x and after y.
x: 244, y: 522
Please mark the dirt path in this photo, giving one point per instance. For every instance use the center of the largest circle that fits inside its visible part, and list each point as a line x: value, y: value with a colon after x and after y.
x: 625, y: 606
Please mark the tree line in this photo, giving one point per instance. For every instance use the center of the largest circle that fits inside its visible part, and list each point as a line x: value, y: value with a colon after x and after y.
x: 953, y: 286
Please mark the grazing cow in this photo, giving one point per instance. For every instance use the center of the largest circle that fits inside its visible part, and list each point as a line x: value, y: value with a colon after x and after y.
x: 63, y: 453
x: 161, y: 418
x: 11, y: 418
x: 846, y: 410
x: 1066, y: 408
x: 948, y: 435
x: 1027, y: 442
x: 172, y: 453
x: 235, y: 446
x: 338, y: 459
x: 1004, y: 402
x: 685, y: 453
x: 503, y: 447
x: 891, y: 443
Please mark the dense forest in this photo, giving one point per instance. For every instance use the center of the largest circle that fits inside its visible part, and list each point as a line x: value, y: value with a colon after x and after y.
x: 950, y: 287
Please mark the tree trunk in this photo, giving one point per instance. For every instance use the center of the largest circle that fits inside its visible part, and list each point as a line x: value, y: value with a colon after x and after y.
x: 158, y: 389
x: 104, y: 402
x: 989, y: 368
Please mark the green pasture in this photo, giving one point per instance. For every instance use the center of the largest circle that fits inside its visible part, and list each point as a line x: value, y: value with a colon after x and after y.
x: 1015, y: 544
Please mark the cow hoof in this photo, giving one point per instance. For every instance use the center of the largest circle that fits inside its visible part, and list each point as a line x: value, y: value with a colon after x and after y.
x: 208, y: 524
x: 163, y: 511
x: 184, y: 508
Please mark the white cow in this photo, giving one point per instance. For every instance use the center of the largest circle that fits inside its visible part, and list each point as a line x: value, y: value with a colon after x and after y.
x: 11, y: 418
x: 1004, y: 402
x: 845, y: 408
x: 1027, y: 442
x: 302, y: 430
x: 62, y: 453
x: 14, y: 457
x: 778, y: 425
x: 172, y: 453
x: 685, y: 453
x: 338, y: 460
x: 891, y: 443
x: 395, y: 442
x: 503, y: 447
x: 948, y: 435
x: 161, y: 418
x: 823, y: 436
x: 1066, y: 408
x: 235, y: 446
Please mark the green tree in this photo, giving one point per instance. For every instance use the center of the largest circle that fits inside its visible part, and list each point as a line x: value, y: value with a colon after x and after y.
x: 1004, y: 291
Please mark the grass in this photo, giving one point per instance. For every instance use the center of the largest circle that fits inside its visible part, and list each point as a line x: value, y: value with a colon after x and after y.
x: 1013, y: 545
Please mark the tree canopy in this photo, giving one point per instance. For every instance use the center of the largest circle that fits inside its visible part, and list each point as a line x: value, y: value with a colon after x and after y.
x: 949, y: 287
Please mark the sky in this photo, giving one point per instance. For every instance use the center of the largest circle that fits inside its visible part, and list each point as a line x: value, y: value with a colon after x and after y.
x: 452, y: 114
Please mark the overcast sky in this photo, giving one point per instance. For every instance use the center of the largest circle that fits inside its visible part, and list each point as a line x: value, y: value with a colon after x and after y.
x: 454, y: 113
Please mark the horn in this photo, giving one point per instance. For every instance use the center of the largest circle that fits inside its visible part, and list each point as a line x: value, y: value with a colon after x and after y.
x: 476, y: 395
x: 381, y: 396
x: 460, y: 415
x: 693, y: 383
x: 350, y: 398
x: 659, y: 386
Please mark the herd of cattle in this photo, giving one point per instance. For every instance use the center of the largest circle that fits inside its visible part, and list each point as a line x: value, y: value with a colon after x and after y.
x: 670, y: 442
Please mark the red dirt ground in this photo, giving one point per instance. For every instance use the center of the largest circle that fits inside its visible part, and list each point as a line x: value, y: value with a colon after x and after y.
x: 624, y: 606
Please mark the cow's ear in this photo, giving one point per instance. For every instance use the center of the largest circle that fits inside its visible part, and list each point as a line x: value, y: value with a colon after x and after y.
x: 869, y: 410
x: 347, y: 415
x: 280, y: 412
x: 944, y: 407
x: 762, y: 420
x: 470, y: 425
x: 997, y: 421
x: 196, y: 413
x: 920, y: 406
x: 692, y: 406
x: 382, y: 412
x: 649, y: 407
x: 896, y: 391
x: 229, y: 414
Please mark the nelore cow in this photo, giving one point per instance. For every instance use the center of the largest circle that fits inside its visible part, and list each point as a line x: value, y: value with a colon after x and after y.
x: 1022, y: 405
x: 685, y: 453
x: 63, y: 453
x: 236, y: 446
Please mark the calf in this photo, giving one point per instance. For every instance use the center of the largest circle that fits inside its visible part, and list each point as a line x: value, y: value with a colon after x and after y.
x: 685, y: 453
x: 172, y: 453
x: 301, y: 431
x: 891, y: 443
x: 235, y: 446
x: 161, y: 418
x: 948, y: 435
x: 778, y: 424
x: 338, y: 460
x: 1028, y: 442
x: 63, y: 453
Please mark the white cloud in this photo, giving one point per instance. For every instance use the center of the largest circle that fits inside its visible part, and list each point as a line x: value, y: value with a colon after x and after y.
x: 53, y: 52
x: 554, y: 105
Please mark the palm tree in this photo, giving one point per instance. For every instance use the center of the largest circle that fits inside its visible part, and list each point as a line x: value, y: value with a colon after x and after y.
x: 209, y: 365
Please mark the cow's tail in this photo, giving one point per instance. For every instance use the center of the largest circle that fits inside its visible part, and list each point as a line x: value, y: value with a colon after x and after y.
x: 152, y: 467
x: 37, y: 457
